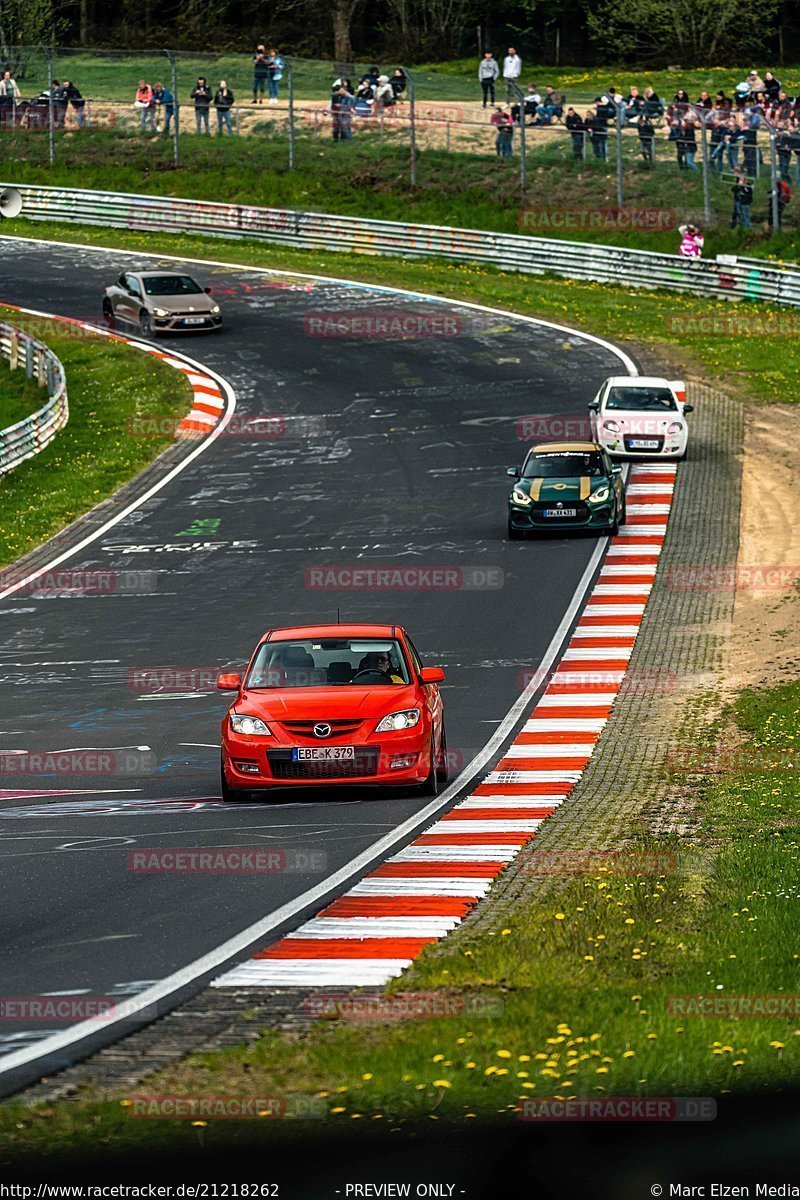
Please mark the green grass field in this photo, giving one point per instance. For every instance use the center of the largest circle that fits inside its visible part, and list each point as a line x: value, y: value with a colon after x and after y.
x: 19, y: 396
x: 114, y: 75
x: 108, y: 384
x: 370, y: 178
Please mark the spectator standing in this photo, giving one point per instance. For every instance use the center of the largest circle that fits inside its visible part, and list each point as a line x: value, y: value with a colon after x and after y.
x: 575, y: 124
x: 512, y: 69
x: 689, y: 138
x: 488, y: 72
x: 260, y: 73
x: 717, y: 144
x: 163, y: 99
x: 342, y: 103
x: 742, y: 199
x: 504, y: 125
x: 275, y: 68
x: 783, y: 145
x: 784, y: 196
x: 73, y: 97
x: 674, y: 134
x: 692, y: 242
x: 646, y: 132
x: 750, y: 149
x: 398, y: 82
x: 9, y: 89
x: 201, y: 94
x: 597, y: 126
x: 733, y: 141
x: 224, y: 101
x: 144, y: 103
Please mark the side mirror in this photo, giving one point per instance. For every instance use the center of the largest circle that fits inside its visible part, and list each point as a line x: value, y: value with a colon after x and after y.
x: 208, y: 290
x: 229, y: 683
x: 594, y: 405
x: 616, y: 470
x: 513, y: 472
x: 431, y: 675
x: 688, y: 408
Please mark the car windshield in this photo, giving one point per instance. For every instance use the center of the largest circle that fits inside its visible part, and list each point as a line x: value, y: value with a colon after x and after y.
x: 555, y: 466
x: 170, y: 285
x: 326, y: 662
x: 634, y: 399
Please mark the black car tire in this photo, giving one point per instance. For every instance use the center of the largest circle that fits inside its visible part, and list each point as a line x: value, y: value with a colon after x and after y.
x: 108, y: 314
x: 145, y: 328
x: 442, y: 769
x: 230, y: 795
x: 431, y: 785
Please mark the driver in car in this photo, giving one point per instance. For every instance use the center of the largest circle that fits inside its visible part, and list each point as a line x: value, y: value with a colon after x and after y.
x: 379, y: 661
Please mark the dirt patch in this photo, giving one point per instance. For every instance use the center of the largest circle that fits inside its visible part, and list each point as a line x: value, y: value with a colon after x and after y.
x: 764, y: 647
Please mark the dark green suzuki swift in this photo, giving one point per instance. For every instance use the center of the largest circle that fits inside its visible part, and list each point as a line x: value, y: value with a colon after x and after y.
x: 566, y: 485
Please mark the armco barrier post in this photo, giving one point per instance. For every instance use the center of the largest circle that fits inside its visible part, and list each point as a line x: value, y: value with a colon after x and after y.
x: 619, y: 123
x: 413, y: 126
x: 176, y: 109
x: 291, y: 114
x: 523, y: 163
x: 48, y: 53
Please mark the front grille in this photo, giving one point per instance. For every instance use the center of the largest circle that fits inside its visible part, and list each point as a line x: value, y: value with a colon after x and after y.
x: 639, y: 437
x: 306, y: 728
x: 364, y: 763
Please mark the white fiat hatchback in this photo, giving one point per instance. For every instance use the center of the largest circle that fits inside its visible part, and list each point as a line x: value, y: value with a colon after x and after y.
x: 641, y: 417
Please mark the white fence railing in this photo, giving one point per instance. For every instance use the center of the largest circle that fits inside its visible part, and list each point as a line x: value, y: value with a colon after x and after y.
x: 30, y: 435
x: 727, y: 277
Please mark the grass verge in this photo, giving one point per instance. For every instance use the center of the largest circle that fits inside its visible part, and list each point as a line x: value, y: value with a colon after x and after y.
x: 597, y: 987
x: 19, y: 396
x: 108, y: 384
x: 369, y: 178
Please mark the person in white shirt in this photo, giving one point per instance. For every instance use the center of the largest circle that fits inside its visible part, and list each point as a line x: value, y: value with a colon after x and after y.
x: 8, y: 87
x: 512, y: 69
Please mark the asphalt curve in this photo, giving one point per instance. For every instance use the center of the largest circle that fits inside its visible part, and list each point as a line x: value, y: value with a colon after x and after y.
x: 392, y: 453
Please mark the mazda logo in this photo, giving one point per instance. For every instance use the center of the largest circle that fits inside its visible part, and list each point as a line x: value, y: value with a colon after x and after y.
x: 322, y: 730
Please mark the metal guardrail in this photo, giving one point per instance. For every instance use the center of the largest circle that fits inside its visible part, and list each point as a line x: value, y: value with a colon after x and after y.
x: 726, y: 277
x: 30, y: 435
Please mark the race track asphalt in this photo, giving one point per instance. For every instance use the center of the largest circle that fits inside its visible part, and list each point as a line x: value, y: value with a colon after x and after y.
x: 392, y: 455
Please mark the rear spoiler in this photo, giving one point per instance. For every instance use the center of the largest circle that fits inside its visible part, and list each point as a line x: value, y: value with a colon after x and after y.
x: 679, y: 388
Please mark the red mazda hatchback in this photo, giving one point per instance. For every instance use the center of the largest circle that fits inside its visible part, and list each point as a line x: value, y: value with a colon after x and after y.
x: 333, y: 704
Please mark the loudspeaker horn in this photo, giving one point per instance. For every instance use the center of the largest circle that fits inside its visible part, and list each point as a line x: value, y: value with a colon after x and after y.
x: 10, y: 203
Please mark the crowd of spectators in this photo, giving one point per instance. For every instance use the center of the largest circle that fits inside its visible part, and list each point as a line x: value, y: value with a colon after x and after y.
x: 734, y: 121
x: 372, y: 94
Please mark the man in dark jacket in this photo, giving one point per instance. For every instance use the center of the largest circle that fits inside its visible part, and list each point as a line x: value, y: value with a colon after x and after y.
x: 742, y: 199
x: 644, y: 127
x: 201, y: 94
x: 598, y: 132
x: 260, y: 73
x: 73, y: 96
x: 223, y: 103
x: 164, y: 99
x: 575, y: 124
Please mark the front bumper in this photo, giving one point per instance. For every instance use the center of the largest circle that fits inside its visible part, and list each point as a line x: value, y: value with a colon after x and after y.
x: 194, y: 323
x: 389, y: 760
x: 594, y: 516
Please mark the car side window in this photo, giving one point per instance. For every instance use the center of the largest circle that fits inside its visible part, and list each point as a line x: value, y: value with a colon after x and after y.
x: 415, y: 658
x: 133, y: 285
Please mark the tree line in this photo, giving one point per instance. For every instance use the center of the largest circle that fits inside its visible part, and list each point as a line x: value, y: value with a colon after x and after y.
x: 647, y: 33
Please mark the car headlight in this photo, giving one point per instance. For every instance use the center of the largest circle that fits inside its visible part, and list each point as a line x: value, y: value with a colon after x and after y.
x: 675, y: 427
x: 254, y: 726
x: 407, y: 719
x: 611, y: 426
x: 600, y: 495
x: 161, y: 312
x: 518, y: 496
x: 215, y: 309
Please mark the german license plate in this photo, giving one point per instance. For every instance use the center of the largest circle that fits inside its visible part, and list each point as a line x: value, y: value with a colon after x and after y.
x: 322, y: 753
x: 644, y: 444
x: 194, y: 320
x: 560, y: 512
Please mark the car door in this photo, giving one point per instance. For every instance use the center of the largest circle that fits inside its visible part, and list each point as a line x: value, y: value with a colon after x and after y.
x: 430, y: 691
x: 121, y: 298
